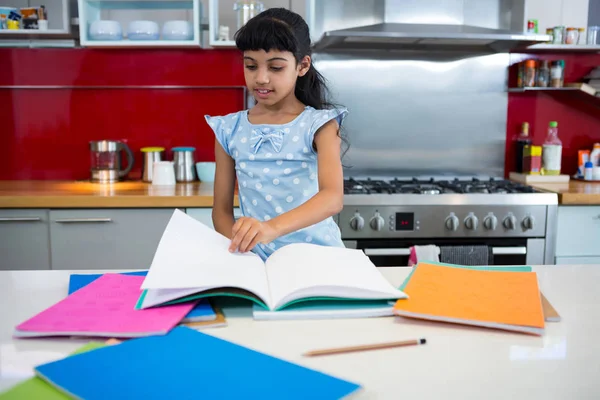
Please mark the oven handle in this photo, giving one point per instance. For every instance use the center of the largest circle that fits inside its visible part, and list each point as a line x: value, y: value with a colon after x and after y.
x: 509, y: 251
x: 497, y: 251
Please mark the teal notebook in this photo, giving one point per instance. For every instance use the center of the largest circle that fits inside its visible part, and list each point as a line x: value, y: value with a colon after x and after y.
x: 193, y: 261
x: 186, y: 364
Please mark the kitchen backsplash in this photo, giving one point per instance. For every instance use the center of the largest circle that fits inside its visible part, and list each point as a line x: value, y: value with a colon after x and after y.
x: 54, y: 101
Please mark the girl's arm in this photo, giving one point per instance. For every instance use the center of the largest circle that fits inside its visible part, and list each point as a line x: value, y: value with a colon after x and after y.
x: 247, y: 232
x: 224, y: 187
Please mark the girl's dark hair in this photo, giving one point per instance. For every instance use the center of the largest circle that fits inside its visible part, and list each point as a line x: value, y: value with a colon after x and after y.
x: 284, y: 30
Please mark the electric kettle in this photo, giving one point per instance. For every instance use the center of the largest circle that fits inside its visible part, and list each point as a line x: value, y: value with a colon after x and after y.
x: 105, y: 161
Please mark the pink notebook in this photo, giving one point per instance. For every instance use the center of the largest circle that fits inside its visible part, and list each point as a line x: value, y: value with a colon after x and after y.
x: 104, y: 308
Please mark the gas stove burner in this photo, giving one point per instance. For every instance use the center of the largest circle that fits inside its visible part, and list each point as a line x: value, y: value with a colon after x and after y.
x: 432, y: 186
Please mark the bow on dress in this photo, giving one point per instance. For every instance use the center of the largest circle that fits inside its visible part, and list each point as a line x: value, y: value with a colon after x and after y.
x: 262, y: 135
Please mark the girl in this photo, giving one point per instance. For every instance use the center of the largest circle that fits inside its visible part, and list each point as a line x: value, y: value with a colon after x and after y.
x: 285, y: 151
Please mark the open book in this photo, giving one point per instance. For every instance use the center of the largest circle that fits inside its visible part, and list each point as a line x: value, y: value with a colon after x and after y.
x: 193, y: 261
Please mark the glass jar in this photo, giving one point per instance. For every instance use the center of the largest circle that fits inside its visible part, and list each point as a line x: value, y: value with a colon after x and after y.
x: 543, y: 74
x: 593, y: 34
x: 529, y: 73
x: 571, y: 36
x: 246, y: 10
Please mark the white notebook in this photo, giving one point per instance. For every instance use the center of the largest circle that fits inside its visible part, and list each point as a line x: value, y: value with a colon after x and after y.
x: 193, y: 261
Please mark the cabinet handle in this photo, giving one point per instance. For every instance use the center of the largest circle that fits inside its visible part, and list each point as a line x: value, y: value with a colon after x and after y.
x: 387, y: 252
x: 509, y: 251
x: 19, y: 219
x: 81, y: 220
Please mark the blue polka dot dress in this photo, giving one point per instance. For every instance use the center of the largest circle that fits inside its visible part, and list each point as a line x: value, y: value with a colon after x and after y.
x: 276, y: 168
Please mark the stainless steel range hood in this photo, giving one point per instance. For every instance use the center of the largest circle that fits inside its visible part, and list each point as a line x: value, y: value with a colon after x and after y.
x: 414, y: 36
x: 479, y: 25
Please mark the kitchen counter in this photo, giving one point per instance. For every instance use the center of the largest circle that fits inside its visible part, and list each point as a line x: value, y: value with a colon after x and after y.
x: 458, y: 362
x: 573, y: 192
x: 84, y: 194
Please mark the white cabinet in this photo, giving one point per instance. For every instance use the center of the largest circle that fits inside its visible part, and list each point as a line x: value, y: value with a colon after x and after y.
x: 578, y: 234
x: 24, y: 239
x: 221, y: 13
x: 550, y: 13
x: 125, y: 11
x: 204, y: 215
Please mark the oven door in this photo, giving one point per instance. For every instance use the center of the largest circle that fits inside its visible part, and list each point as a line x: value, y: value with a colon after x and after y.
x: 395, y: 253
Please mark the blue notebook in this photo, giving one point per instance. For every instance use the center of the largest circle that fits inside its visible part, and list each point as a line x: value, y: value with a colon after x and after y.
x: 202, y: 312
x: 187, y: 364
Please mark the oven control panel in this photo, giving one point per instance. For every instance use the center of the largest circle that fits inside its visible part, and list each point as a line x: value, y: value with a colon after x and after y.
x: 442, y: 221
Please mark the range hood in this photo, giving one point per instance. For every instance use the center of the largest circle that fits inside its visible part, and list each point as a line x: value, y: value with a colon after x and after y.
x: 427, y: 36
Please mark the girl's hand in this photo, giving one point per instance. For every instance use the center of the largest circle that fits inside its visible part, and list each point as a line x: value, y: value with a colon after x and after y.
x: 248, y: 232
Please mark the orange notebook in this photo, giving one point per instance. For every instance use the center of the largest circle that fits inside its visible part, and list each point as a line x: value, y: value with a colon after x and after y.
x: 492, y: 299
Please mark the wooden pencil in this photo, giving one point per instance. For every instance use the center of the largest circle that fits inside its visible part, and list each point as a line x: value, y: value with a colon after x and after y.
x: 364, y: 347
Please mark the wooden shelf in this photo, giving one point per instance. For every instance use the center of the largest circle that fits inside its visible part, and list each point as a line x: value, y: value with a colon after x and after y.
x: 565, y: 48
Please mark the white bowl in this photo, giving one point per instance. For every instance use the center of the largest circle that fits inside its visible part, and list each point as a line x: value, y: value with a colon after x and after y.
x: 105, y: 30
x: 177, y: 30
x: 143, y: 30
x: 206, y: 171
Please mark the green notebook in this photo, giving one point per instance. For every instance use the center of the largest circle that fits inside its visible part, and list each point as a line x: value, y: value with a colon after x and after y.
x: 36, y: 388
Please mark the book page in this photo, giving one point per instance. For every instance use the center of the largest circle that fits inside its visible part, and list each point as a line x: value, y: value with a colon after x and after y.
x: 191, y: 255
x: 305, y: 270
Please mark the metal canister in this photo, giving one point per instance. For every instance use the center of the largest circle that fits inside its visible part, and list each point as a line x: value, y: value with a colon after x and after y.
x: 150, y: 156
x: 183, y: 158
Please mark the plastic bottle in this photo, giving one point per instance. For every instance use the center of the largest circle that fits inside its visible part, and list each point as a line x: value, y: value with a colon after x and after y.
x: 595, y: 155
x: 522, y: 140
x: 552, y: 151
x: 588, y: 171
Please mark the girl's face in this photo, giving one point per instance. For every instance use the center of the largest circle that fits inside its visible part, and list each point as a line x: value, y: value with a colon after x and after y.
x: 271, y: 76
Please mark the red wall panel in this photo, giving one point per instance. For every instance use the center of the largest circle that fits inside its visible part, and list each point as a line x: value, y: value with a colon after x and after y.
x: 45, y: 132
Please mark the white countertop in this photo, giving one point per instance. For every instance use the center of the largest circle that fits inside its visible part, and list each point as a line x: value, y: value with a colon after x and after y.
x: 456, y: 363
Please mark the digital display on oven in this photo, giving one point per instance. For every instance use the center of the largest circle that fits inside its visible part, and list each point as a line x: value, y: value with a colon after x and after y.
x: 405, y: 221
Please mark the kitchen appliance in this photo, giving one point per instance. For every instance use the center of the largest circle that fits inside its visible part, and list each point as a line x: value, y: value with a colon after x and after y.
x: 183, y: 159
x: 150, y: 155
x: 105, y: 161
x: 385, y: 217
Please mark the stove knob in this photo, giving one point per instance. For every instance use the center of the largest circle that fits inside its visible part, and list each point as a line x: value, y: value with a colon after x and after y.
x: 377, y: 222
x: 528, y: 222
x: 357, y: 222
x: 490, y: 222
x: 510, y: 222
x: 452, y: 222
x: 471, y: 222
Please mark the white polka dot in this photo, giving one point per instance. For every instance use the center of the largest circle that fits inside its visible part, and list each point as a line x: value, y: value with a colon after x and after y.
x: 296, y: 181
x: 212, y: 124
x: 242, y: 165
x: 266, y: 170
x: 234, y: 116
x: 304, y: 165
x: 287, y: 171
x: 312, y: 176
x: 228, y: 130
x: 289, y: 156
x: 327, y: 237
x: 240, y: 129
x: 259, y: 185
x: 286, y: 130
x: 243, y: 198
x: 267, y: 217
x: 244, y: 140
x: 302, y: 124
x: 309, y: 239
x: 250, y: 174
x: 306, y: 193
x: 244, y: 184
x: 275, y: 181
x: 272, y: 245
x: 289, y: 199
x: 268, y: 197
x: 268, y: 155
x: 295, y: 138
x: 253, y: 132
x: 267, y: 129
x: 236, y: 153
x: 251, y: 157
x: 305, y: 149
x: 279, y: 210
x: 279, y: 162
x: 254, y: 202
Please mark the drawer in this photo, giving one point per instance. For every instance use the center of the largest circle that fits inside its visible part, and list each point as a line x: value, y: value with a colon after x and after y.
x: 106, y: 238
x: 578, y: 231
x: 24, y: 239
